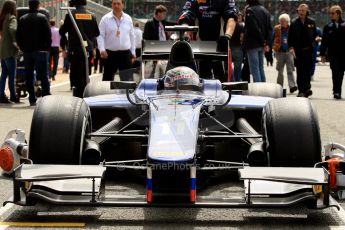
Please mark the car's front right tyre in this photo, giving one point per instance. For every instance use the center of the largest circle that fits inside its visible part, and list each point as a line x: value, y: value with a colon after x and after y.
x: 291, y: 133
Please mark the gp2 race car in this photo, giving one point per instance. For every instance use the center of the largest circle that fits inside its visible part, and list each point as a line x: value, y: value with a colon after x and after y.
x: 176, y: 137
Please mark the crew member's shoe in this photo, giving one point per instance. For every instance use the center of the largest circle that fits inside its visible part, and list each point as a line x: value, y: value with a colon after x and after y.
x: 15, y: 99
x: 337, y: 96
x: 293, y: 89
x: 4, y: 100
x: 300, y: 94
x: 308, y: 93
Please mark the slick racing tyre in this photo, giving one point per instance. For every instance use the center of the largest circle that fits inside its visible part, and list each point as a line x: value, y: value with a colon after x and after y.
x: 99, y: 88
x: 58, y: 129
x: 291, y: 133
x: 265, y: 89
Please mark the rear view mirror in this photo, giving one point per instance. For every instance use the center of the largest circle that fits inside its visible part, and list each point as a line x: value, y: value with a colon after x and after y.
x: 242, y: 85
x: 123, y: 85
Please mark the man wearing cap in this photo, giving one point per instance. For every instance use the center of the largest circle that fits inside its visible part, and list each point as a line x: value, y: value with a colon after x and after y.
x: 34, y: 39
x: 87, y: 25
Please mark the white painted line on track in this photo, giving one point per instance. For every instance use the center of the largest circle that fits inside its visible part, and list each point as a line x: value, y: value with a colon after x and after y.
x: 341, y: 212
x: 4, y: 210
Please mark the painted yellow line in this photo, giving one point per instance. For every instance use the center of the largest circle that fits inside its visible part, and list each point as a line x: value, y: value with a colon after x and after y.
x: 42, y: 224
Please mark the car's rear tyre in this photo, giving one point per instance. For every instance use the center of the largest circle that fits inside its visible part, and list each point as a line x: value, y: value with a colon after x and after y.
x: 265, y: 89
x: 291, y: 133
x: 58, y: 130
x: 99, y: 88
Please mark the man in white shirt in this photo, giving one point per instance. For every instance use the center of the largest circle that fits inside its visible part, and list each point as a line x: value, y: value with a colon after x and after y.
x: 116, y: 42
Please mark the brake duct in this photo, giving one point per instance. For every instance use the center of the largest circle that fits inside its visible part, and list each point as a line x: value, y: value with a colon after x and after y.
x: 13, y: 150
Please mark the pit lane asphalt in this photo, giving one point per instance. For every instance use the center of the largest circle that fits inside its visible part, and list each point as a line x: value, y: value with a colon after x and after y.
x: 332, y: 126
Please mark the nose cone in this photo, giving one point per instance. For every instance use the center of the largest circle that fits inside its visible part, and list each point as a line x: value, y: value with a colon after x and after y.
x: 174, y: 130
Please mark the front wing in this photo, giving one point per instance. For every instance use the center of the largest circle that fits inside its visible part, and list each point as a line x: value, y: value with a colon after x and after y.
x: 85, y: 185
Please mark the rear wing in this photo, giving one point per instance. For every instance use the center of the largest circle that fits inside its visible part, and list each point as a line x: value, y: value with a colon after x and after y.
x: 160, y: 50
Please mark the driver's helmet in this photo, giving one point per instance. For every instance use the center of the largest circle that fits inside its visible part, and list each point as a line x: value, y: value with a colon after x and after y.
x: 183, y: 78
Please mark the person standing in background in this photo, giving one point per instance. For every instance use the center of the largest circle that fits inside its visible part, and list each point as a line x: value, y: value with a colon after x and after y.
x: 34, y: 39
x: 66, y: 63
x: 301, y: 41
x: 8, y: 50
x: 88, y: 28
x: 54, y: 50
x: 209, y: 14
x: 258, y: 32
x: 98, y: 60
x: 236, y: 48
x: 116, y: 42
x: 283, y: 56
x: 138, y: 33
x: 333, y: 45
x: 154, y: 28
x: 316, y: 49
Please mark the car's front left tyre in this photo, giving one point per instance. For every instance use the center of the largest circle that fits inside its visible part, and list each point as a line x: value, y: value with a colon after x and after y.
x: 58, y: 129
